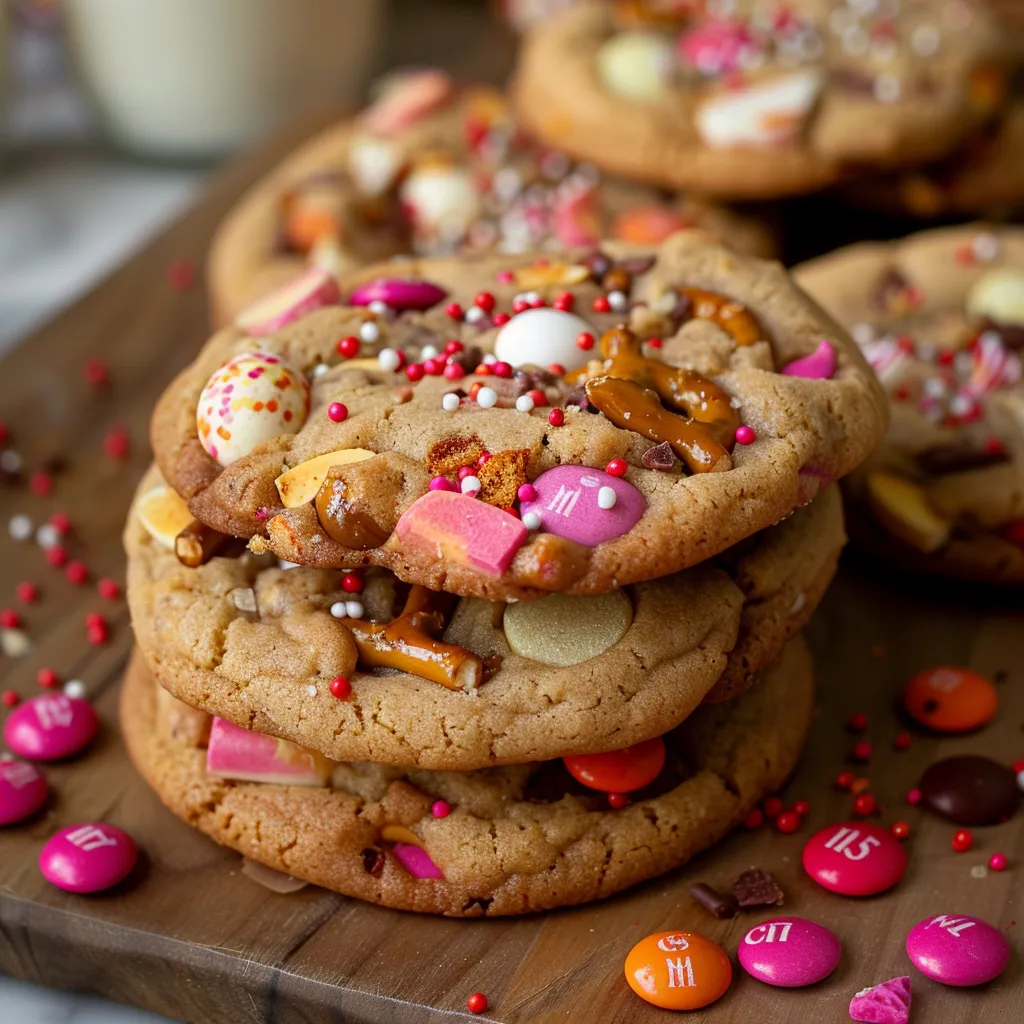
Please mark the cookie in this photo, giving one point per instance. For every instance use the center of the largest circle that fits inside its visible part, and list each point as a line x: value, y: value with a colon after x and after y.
x: 512, y: 840
x: 940, y: 316
x: 430, y: 168
x: 481, y: 683
x: 698, y: 398
x: 765, y: 100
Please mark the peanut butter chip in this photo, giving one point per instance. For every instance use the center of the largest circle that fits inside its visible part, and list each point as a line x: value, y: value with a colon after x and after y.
x: 565, y: 630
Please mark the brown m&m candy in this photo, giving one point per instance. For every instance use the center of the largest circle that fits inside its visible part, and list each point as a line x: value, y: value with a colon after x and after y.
x: 950, y: 699
x: 970, y: 790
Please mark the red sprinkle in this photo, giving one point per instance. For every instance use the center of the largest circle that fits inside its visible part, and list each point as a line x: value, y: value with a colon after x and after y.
x: 500, y: 319
x: 77, y: 572
x: 962, y: 840
x: 1018, y: 767
x: 337, y: 413
x: 754, y: 818
x: 60, y: 522
x: 504, y: 277
x: 452, y: 348
x: 900, y: 829
x: 857, y: 722
x: 454, y: 310
x: 485, y: 300
x: 433, y: 367
x: 787, y: 822
x: 914, y: 796
x: 341, y: 688
x: 108, y: 589
x: 862, y: 751
x: 352, y: 583
x: 655, y: 342
x: 617, y: 467
x: 26, y: 592
x: 602, y: 305
x: 617, y: 801
x: 40, y: 484
x: 96, y: 373
x: 500, y: 369
x: 556, y: 417
x: 557, y: 369
x: 9, y: 698
x: 864, y: 804
x: 844, y: 780
x: 772, y: 807
x: 564, y: 301
x: 901, y: 741
x: 349, y: 346
x: 47, y: 677
x: 453, y: 371
x: 97, y: 635
x: 482, y: 459
x: 181, y: 275
x: 9, y: 618
x: 3, y: 432
x: 115, y: 444
x: 520, y: 306
x: 585, y: 341
x: 94, y: 619
x: 441, y: 809
x: 477, y: 1003
x: 414, y: 371
x: 745, y: 435
x: 802, y: 807
x: 997, y: 862
x: 56, y: 556
x: 539, y: 398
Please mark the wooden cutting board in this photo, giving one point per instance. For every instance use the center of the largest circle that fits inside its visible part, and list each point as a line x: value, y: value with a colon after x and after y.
x: 190, y: 937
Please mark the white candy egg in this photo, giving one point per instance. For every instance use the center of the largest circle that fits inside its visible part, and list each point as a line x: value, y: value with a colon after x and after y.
x: 998, y: 295
x: 636, y: 65
x: 249, y: 400
x: 542, y: 337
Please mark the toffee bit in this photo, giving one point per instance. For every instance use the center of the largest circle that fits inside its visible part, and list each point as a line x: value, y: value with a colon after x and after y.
x: 373, y: 861
x: 660, y: 457
x: 756, y: 888
x: 718, y: 904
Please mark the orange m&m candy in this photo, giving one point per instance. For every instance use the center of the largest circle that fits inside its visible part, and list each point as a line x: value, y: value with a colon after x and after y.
x: 678, y: 970
x: 950, y: 699
x: 619, y: 771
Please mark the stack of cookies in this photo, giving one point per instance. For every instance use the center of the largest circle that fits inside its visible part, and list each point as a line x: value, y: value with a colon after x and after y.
x: 473, y: 585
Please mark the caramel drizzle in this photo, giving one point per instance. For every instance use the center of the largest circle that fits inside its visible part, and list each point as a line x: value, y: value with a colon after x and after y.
x: 407, y: 643
x: 633, y: 388
x: 733, y: 317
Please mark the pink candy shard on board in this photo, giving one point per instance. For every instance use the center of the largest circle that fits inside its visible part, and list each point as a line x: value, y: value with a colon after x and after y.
x: 416, y: 861
x: 235, y: 753
x: 312, y: 289
x: 462, y: 530
x: 399, y: 293
x: 51, y: 727
x: 819, y: 365
x: 888, y: 1003
x: 22, y: 790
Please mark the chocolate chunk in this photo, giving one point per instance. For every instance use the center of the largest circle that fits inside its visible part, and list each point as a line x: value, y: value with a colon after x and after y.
x: 661, y: 456
x: 1012, y: 335
x: 373, y: 861
x: 957, y: 458
x: 970, y: 790
x: 598, y: 264
x: 756, y: 888
x: 681, y: 311
x: 852, y: 80
x: 891, y: 287
x: 636, y: 265
x: 719, y: 904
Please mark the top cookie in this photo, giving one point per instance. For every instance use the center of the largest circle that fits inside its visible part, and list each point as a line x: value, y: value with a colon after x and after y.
x: 940, y: 316
x: 431, y: 169
x: 724, y: 400
x: 771, y: 97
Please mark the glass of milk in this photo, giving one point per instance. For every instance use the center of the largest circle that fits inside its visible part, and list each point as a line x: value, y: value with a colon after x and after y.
x: 193, y: 79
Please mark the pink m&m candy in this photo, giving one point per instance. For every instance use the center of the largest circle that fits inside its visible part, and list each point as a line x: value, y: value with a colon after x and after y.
x: 22, y: 791
x: 586, y: 505
x: 958, y: 950
x: 88, y: 857
x: 789, y: 952
x: 399, y: 293
x: 51, y: 727
x: 855, y: 858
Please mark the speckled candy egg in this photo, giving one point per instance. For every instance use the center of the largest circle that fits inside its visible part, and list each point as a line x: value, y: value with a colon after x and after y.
x: 249, y: 400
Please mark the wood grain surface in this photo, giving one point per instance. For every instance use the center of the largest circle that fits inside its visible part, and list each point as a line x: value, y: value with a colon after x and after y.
x: 191, y: 937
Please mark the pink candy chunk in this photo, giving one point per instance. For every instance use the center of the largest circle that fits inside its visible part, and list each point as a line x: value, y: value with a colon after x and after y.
x: 789, y: 952
x: 463, y: 530
x: 888, y: 1003
x: 416, y: 861
x: 51, y: 727
x: 87, y: 858
x: 575, y: 220
x: 958, y: 950
x: 568, y: 504
x: 855, y: 858
x: 399, y: 293
x: 819, y: 365
x: 312, y: 289
x: 412, y: 97
x: 235, y: 753
x: 23, y: 791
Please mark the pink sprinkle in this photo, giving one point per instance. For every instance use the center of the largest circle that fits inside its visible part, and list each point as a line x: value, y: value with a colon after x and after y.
x: 454, y: 372
x: 337, y: 413
x: 465, y: 471
x: 504, y: 276
x: 997, y: 862
x: 441, y: 483
x: 441, y: 809
x: 527, y: 492
x: 745, y: 435
x: 914, y: 796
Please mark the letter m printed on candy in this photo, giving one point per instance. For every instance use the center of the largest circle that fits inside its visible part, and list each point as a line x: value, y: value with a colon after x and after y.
x: 89, y: 838
x: 954, y: 925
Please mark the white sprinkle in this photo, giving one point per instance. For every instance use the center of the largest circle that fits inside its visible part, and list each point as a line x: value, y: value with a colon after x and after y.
x: 20, y: 527
x: 863, y: 334
x: 606, y: 498
x: 474, y: 315
x: 490, y: 358
x: 855, y: 41
x: 450, y: 402
x: 470, y: 485
x: 354, y: 609
x: 320, y: 369
x: 10, y: 461
x: 339, y: 609
x: 884, y: 49
x: 48, y: 536
x: 960, y: 405
x: 428, y: 352
x: 925, y: 40
x: 378, y: 306
x: 963, y: 362
x: 926, y: 351
x: 532, y: 522
x: 979, y: 871
x: 935, y: 387
x: 15, y: 643
x: 74, y: 688
x: 1020, y: 779
x: 985, y: 247
x: 311, y: 690
x: 524, y: 403
x: 531, y: 297
x: 798, y: 603
x: 486, y: 398
x: 369, y: 331
x: 389, y: 359
x: 618, y: 301
x: 283, y: 564
x: 887, y: 88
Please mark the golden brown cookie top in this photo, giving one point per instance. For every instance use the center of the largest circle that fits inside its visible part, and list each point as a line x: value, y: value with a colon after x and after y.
x: 529, y: 425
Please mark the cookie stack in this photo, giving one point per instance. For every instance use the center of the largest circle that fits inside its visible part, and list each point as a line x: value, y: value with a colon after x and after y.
x: 473, y: 586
